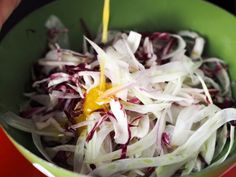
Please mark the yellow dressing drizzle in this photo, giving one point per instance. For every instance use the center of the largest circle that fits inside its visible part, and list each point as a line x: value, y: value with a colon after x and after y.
x: 105, y: 22
x: 93, y: 101
x: 102, y: 75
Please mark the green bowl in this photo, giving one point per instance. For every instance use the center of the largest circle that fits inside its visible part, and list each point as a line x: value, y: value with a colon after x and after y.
x: 26, y: 42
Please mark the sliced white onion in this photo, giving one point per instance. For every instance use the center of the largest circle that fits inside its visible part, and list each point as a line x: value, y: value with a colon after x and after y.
x: 120, y: 123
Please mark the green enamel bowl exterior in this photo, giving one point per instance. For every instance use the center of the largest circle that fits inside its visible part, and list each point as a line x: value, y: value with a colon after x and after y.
x: 26, y: 42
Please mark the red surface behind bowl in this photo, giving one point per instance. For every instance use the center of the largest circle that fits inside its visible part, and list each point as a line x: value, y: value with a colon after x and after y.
x: 12, y: 163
